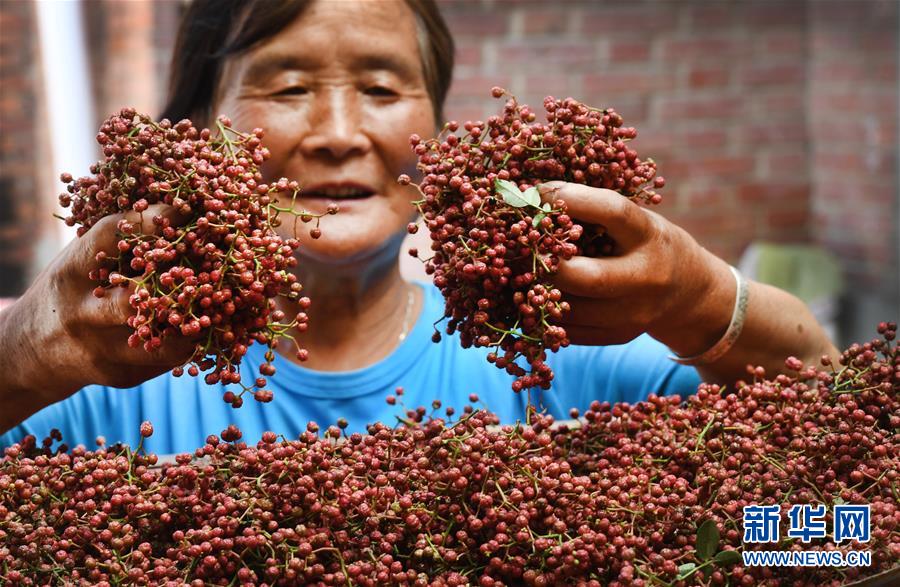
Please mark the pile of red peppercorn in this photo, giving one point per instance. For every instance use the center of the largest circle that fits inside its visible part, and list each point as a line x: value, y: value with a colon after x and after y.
x: 643, y: 494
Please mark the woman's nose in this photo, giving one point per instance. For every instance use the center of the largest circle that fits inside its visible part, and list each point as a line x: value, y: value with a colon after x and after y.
x: 335, y: 126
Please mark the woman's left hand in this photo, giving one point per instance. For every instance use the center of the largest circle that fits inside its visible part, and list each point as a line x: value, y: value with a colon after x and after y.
x: 659, y: 279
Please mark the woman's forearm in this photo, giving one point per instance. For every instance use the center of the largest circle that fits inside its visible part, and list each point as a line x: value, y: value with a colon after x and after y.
x: 777, y: 325
x: 58, y: 337
x: 30, y: 380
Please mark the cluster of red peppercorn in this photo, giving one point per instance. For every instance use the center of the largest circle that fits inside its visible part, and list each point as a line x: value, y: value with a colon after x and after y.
x: 644, y: 494
x: 215, y: 273
x: 495, y: 245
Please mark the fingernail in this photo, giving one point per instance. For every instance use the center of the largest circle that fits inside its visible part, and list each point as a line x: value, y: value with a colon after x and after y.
x: 550, y: 187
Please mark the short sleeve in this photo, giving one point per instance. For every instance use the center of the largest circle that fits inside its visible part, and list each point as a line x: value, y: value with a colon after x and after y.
x: 619, y: 373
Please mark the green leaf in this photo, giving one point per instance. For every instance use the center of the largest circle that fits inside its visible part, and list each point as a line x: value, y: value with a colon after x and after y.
x: 727, y: 557
x: 685, y: 570
x: 546, y: 207
x: 537, y: 219
x: 510, y: 193
x: 707, y: 539
x: 839, y: 500
x: 532, y: 196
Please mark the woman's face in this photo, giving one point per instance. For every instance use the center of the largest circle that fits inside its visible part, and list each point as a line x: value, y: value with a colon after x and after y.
x: 338, y: 92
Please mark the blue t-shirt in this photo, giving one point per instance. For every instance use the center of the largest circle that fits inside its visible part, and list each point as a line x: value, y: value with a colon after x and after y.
x: 185, y: 410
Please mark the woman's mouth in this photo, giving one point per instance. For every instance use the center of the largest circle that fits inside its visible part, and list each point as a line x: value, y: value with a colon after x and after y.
x: 337, y: 191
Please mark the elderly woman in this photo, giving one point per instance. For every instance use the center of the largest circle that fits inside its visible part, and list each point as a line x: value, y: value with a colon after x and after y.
x: 339, y: 88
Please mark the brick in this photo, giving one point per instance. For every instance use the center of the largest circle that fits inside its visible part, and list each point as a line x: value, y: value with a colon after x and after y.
x: 825, y: 39
x: 699, y: 138
x: 884, y: 73
x: 16, y: 84
x: 879, y: 41
x: 782, y: 103
x: 627, y: 82
x: 705, y: 16
x: 10, y: 22
x: 535, y: 54
x: 839, y: 69
x: 701, y: 47
x: 791, y: 164
x: 629, y: 51
x: 854, y: 13
x: 859, y: 161
x: 854, y: 204
x: 830, y: 40
x: 779, y: 74
x: 652, y: 142
x: 611, y: 18
x: 558, y: 85
x: 789, y: 227
x: 835, y: 193
x: 544, y: 21
x: 467, y: 55
x: 710, y: 225
x: 11, y: 61
x: 725, y: 167
x: 780, y: 43
x: 756, y: 193
x: 699, y: 108
x: 709, y: 76
x: 778, y: 132
x: 787, y: 235
x: 859, y: 103
x: 701, y: 196
x: 773, y: 14
x: 465, y: 20
x: 477, y: 85
x: 874, y: 227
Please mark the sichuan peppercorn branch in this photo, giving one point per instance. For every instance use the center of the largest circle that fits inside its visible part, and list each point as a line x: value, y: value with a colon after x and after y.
x: 215, y: 272
x: 495, y: 245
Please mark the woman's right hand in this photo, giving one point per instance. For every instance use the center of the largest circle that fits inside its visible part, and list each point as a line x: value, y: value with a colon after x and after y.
x: 58, y: 337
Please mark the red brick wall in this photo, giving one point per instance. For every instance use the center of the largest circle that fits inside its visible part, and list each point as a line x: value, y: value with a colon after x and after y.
x: 770, y: 120
x: 131, y: 45
x: 853, y: 118
x: 716, y: 91
x: 19, y: 141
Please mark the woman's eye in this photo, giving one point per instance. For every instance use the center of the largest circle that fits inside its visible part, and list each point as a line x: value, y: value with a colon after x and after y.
x: 292, y: 91
x: 380, y: 91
